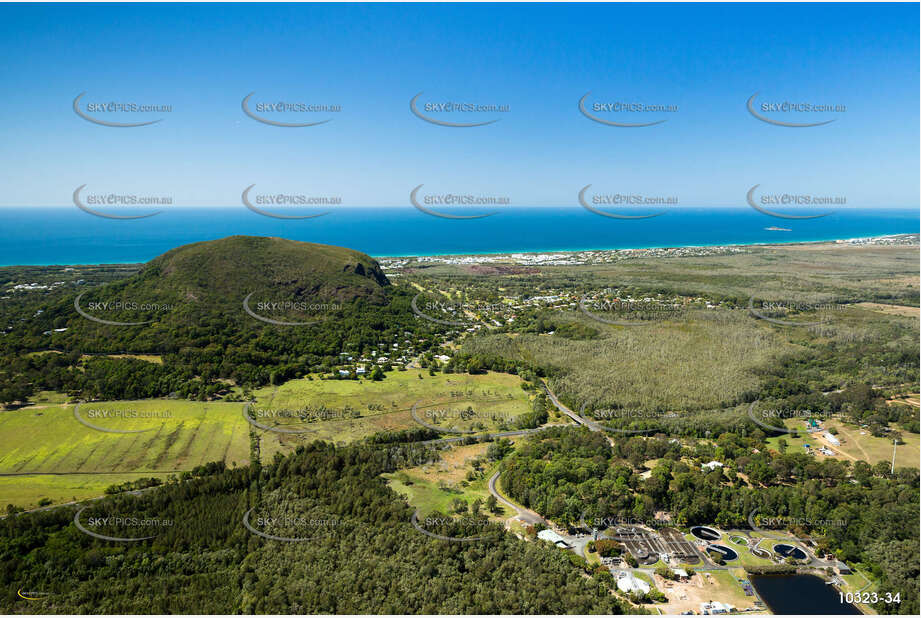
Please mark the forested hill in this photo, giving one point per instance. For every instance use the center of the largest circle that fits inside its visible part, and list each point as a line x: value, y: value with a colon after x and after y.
x: 209, y: 280
x: 228, y: 267
x: 245, y: 309
x: 198, y: 290
x: 364, y: 557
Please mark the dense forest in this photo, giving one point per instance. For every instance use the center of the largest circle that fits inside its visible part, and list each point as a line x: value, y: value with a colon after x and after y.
x: 198, y: 359
x: 367, y: 558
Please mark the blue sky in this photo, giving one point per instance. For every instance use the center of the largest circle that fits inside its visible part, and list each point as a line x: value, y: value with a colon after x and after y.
x: 537, y: 59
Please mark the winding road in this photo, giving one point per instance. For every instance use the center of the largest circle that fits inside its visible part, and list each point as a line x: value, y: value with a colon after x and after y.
x: 526, y: 515
x: 575, y: 417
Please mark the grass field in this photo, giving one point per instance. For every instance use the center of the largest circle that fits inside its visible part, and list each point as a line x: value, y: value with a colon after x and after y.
x: 435, y: 486
x: 859, y: 582
x: 47, y: 439
x: 767, y: 541
x: 744, y: 550
x: 591, y: 557
x: 854, y: 444
x: 47, y: 453
x: 873, y: 449
x: 49, y: 398
x: 360, y: 408
x: 745, y: 556
x: 180, y: 435
x: 27, y: 490
x: 730, y: 589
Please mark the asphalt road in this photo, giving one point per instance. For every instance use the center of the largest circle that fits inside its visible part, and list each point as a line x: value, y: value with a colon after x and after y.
x: 526, y: 515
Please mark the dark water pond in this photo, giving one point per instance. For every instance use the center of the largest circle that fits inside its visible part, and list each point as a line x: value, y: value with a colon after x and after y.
x: 800, y: 594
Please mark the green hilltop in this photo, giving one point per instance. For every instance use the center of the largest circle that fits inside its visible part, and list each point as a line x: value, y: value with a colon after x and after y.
x: 229, y: 268
x: 194, y: 294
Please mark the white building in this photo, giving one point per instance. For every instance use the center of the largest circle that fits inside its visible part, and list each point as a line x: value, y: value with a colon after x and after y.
x: 831, y: 439
x: 552, y: 537
x: 627, y: 582
x: 713, y: 465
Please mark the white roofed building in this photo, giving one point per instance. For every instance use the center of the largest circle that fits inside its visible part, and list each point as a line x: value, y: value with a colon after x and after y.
x: 628, y: 582
x: 552, y: 537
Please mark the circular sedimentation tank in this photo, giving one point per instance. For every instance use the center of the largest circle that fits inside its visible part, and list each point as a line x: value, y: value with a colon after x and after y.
x: 728, y: 554
x: 705, y: 533
x: 790, y: 551
x: 760, y: 553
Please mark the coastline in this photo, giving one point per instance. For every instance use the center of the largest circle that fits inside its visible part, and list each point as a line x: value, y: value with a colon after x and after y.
x: 71, y: 237
x: 854, y: 241
x: 819, y: 241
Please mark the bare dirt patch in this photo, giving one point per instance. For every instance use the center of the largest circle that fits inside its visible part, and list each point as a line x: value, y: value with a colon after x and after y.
x: 909, y: 312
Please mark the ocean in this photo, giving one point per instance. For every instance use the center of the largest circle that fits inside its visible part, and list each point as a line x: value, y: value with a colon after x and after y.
x: 41, y: 236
